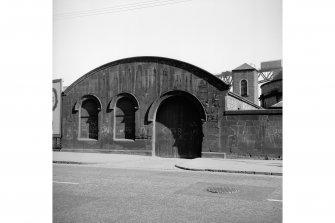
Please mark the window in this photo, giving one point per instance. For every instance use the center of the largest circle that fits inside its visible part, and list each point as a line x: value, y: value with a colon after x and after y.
x: 124, y: 122
x: 244, y: 88
x: 89, y: 128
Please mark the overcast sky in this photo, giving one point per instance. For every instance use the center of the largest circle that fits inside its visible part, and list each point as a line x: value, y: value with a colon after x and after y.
x: 216, y: 35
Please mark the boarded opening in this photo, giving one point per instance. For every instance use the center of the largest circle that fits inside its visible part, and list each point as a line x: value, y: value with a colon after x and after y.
x: 89, y: 128
x: 178, y: 129
x: 125, y: 118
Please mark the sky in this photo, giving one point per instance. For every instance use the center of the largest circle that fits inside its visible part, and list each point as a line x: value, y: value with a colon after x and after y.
x: 215, y: 35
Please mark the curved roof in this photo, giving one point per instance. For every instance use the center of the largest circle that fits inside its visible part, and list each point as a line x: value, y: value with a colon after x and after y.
x: 278, y: 76
x: 215, y: 81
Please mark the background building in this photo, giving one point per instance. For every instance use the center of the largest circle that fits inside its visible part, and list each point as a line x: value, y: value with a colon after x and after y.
x: 272, y: 92
x: 245, y: 82
x: 249, y: 82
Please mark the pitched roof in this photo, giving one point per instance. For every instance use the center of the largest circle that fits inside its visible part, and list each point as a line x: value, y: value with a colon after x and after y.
x: 244, y: 66
x: 278, y: 105
x: 243, y: 99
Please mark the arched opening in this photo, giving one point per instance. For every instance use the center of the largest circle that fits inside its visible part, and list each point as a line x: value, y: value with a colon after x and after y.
x: 178, y: 128
x: 124, y: 117
x: 244, y: 88
x: 89, y: 127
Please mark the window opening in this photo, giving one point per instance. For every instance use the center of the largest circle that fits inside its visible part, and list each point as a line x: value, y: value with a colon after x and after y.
x: 244, y: 88
x: 89, y: 128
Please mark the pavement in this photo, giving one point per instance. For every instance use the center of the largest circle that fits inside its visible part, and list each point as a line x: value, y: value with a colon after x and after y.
x: 244, y: 166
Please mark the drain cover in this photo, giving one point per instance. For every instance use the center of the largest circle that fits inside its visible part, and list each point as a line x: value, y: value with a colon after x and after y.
x: 222, y: 190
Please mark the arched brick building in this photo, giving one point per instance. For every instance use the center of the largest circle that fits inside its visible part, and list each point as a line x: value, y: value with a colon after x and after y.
x: 155, y: 106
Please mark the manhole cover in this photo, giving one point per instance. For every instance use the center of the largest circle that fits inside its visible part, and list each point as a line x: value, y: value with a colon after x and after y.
x: 222, y: 190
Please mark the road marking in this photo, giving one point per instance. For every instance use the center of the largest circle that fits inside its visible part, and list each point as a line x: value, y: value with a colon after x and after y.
x: 275, y: 200
x: 58, y: 182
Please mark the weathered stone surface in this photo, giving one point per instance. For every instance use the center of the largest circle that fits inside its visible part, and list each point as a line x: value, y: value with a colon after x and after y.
x: 252, y: 135
x: 149, y: 79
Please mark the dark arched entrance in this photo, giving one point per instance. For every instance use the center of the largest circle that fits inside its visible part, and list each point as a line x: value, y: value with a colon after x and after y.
x: 178, y: 128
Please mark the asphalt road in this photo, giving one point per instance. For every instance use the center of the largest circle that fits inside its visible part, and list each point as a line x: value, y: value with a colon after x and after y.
x: 96, y: 194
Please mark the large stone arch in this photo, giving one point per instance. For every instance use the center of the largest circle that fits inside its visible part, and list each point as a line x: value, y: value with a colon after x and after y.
x: 85, y: 97
x: 153, y: 108
x: 177, y: 118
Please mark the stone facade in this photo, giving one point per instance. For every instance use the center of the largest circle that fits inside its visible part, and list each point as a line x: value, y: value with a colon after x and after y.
x: 135, y: 105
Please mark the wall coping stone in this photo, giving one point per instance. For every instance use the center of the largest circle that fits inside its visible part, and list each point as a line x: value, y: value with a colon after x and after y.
x: 255, y: 112
x: 234, y: 95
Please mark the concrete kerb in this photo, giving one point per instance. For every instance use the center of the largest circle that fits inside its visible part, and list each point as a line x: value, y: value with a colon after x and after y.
x: 201, y: 164
x: 231, y: 171
x: 73, y: 162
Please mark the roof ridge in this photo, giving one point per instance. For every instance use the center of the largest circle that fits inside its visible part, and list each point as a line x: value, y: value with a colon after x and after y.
x: 244, y: 66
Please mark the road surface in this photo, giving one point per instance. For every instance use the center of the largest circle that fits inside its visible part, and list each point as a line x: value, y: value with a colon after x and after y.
x: 96, y: 194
